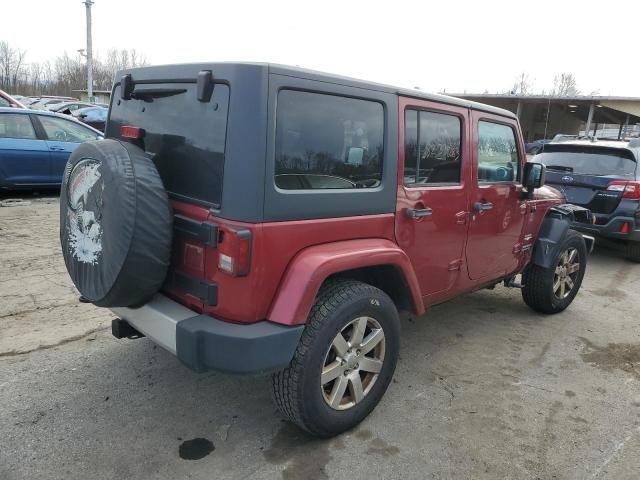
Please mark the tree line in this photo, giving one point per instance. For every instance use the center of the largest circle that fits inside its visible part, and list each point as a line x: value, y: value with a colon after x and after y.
x: 62, y: 75
x: 564, y: 85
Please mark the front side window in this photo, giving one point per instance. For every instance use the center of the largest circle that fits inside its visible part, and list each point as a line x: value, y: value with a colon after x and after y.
x: 432, y: 148
x: 327, y: 142
x: 16, y: 126
x: 497, y: 153
x: 4, y: 102
x: 66, y: 131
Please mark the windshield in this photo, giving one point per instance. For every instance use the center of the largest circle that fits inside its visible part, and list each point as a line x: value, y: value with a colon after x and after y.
x: 184, y: 137
x: 605, y: 163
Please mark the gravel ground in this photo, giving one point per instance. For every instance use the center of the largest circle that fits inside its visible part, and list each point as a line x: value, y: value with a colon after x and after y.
x: 485, y: 388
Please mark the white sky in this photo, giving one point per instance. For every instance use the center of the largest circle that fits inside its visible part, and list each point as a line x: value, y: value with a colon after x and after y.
x: 454, y: 45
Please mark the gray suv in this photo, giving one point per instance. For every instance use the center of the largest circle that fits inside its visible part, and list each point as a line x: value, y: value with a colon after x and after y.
x: 602, y: 176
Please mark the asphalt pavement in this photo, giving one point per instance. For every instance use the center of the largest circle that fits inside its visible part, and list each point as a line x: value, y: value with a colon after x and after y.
x: 484, y: 389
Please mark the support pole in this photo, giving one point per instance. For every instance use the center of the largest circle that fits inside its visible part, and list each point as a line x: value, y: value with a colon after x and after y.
x: 589, y: 119
x: 88, y: 4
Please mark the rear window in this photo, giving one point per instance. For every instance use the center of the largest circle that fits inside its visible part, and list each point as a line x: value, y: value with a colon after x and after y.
x: 185, y: 138
x: 597, y: 162
x: 328, y: 142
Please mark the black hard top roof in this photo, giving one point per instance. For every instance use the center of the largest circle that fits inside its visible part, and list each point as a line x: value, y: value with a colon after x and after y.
x: 191, y: 69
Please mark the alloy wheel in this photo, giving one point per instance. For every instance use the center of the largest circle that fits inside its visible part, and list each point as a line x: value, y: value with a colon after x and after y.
x: 565, y: 274
x: 353, y: 363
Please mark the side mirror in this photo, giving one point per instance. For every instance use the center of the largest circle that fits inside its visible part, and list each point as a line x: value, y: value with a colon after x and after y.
x: 534, y: 175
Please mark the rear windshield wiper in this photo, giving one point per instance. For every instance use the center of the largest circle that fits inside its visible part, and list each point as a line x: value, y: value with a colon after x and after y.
x: 149, y: 93
x: 561, y: 168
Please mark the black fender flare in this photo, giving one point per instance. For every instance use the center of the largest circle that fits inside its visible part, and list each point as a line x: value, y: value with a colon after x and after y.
x: 553, y: 231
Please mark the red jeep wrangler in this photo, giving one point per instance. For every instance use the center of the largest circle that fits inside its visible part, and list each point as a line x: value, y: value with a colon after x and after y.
x: 256, y: 218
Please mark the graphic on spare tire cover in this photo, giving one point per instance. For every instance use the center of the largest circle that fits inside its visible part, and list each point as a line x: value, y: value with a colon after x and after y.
x: 85, y: 201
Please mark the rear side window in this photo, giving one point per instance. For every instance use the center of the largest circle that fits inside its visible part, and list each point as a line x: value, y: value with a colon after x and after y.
x: 184, y: 137
x: 327, y: 142
x: 497, y: 153
x: 16, y: 126
x: 432, y: 148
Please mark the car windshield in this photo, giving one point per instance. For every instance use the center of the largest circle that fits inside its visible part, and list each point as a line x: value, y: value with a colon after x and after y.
x: 589, y: 162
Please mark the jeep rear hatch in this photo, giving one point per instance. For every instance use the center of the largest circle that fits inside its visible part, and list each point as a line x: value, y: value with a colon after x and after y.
x: 182, y: 125
x: 589, y: 176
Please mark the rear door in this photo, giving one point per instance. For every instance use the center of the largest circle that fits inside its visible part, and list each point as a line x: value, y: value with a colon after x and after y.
x: 497, y: 207
x: 63, y: 136
x: 24, y: 158
x: 432, y: 205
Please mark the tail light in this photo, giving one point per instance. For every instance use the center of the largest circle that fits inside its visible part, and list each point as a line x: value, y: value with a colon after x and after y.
x: 134, y: 133
x: 624, y: 228
x: 630, y: 189
x: 234, y: 252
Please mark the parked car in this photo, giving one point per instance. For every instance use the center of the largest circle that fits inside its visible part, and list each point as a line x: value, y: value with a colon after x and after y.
x: 20, y: 98
x: 7, y: 100
x: 534, y: 147
x: 43, y: 102
x: 26, y: 101
x: 35, y: 146
x: 67, y: 107
x: 201, y: 221
x: 93, y: 116
x: 604, y: 177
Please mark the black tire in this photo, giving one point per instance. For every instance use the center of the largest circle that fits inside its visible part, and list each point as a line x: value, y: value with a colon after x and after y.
x: 297, y: 390
x: 538, y: 292
x: 632, y: 251
x: 115, y: 224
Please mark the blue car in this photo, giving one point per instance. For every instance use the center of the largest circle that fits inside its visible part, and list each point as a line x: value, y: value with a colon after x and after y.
x: 35, y: 146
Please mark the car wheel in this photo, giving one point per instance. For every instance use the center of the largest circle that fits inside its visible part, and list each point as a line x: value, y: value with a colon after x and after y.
x: 551, y: 290
x: 344, y: 362
x: 632, y: 251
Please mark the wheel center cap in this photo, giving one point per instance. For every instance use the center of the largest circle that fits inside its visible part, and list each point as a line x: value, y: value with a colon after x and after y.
x: 351, y: 359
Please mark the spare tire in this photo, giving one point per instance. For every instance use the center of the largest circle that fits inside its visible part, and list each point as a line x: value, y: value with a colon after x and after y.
x: 115, y: 224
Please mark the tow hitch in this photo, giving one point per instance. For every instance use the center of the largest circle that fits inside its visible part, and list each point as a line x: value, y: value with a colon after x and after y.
x: 123, y: 329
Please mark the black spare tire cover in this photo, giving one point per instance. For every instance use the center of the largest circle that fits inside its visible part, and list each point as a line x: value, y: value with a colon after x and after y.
x: 115, y: 224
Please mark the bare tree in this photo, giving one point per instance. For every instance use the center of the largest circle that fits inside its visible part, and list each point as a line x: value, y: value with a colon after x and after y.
x: 63, y: 74
x: 11, y: 61
x: 523, y: 85
x: 565, y: 85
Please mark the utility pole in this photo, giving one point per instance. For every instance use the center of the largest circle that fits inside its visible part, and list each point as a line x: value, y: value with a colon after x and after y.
x: 88, y: 4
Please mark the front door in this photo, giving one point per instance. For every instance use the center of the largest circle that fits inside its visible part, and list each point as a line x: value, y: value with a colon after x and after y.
x: 63, y: 136
x: 497, y: 207
x: 432, y: 206
x: 24, y: 158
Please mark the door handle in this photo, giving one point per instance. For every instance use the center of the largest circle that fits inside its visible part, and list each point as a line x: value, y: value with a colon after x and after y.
x: 418, y: 212
x: 56, y: 149
x: 481, y: 207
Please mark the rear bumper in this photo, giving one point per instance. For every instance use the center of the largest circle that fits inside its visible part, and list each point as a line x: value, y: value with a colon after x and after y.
x: 205, y: 343
x: 611, y: 229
